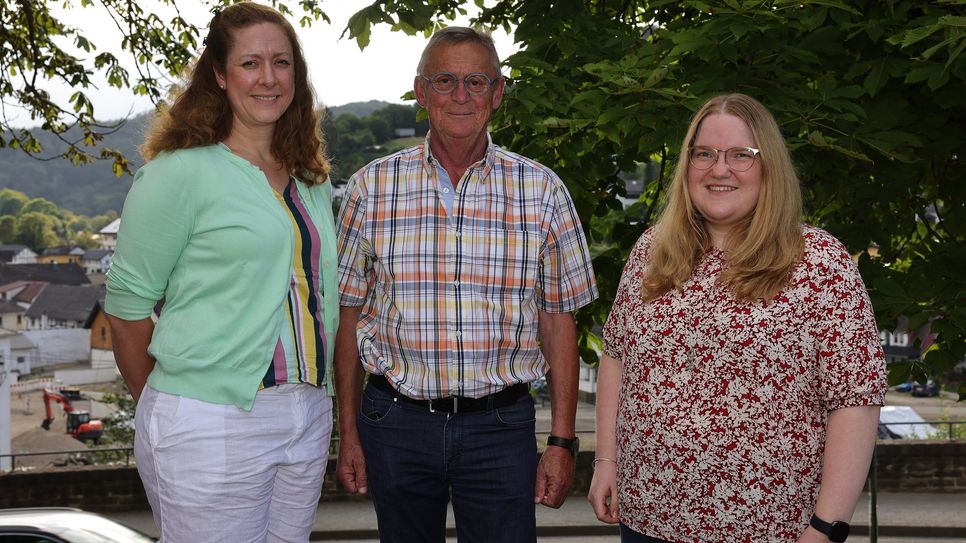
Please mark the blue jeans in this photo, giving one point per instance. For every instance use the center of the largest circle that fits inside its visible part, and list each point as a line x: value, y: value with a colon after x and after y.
x: 416, y: 460
x: 630, y: 536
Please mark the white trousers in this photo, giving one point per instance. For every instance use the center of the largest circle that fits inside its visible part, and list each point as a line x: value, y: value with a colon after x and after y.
x: 217, y: 473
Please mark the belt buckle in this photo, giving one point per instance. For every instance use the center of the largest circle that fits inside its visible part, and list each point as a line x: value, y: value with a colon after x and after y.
x: 455, y: 405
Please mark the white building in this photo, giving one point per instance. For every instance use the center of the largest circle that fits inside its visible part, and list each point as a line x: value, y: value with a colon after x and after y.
x: 17, y: 254
x: 97, y: 261
x: 108, y: 235
x: 17, y: 352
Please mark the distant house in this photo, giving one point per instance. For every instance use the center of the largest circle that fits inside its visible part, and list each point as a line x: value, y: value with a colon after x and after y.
x: 58, y: 274
x: 97, y: 261
x: 12, y: 316
x: 61, y: 255
x: 63, y: 306
x: 108, y: 235
x: 22, y: 293
x: 17, y: 254
x: 17, y: 352
x: 102, y: 348
x: 404, y: 132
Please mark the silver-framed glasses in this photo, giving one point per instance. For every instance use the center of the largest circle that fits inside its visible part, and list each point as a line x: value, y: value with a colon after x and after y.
x: 446, y: 82
x: 739, y: 159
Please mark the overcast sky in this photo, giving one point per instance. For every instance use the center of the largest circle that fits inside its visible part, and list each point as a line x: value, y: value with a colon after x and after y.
x: 340, y: 72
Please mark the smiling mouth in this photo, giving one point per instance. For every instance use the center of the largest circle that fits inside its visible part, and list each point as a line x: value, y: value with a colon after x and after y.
x: 265, y: 98
x: 720, y: 188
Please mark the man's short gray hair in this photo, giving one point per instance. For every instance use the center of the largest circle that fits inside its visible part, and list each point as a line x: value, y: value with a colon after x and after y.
x: 453, y: 35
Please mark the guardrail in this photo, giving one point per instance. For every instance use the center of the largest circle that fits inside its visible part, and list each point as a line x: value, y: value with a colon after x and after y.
x: 947, y: 423
x: 129, y: 451
x: 77, y: 456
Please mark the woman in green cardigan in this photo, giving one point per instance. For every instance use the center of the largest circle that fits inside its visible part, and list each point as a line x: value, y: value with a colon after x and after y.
x: 230, y: 223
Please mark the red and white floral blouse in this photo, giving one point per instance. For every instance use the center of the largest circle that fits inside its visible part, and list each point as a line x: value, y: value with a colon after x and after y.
x: 721, y: 424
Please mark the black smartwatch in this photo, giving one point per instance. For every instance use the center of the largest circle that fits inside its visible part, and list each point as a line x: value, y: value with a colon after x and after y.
x: 836, y: 531
x: 572, y: 445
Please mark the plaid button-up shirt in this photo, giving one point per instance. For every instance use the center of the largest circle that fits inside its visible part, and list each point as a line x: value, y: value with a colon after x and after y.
x: 450, y: 302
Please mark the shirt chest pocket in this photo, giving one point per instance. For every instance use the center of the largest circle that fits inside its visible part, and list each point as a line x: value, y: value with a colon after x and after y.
x: 500, y: 263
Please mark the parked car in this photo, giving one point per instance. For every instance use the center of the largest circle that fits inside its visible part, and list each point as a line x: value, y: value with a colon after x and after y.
x: 63, y: 525
x: 904, y: 387
x: 927, y: 390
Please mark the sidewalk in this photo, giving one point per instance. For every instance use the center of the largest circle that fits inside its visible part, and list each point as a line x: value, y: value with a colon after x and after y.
x: 900, y: 515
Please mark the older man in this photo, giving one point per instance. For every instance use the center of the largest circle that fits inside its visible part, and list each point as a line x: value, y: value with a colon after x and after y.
x: 460, y: 264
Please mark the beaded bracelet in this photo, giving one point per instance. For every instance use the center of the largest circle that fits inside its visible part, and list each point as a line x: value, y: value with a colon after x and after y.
x: 598, y: 460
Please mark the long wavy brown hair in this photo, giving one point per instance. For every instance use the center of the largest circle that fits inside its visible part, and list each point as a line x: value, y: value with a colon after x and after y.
x: 201, y: 114
x: 763, y: 250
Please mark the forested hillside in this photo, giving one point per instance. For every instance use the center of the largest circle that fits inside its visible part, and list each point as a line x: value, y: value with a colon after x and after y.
x: 357, y: 133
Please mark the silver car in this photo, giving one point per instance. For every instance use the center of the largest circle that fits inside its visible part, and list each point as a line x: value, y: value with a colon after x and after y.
x: 63, y: 525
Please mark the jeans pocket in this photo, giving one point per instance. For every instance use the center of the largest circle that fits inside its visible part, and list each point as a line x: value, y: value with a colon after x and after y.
x: 521, y: 413
x: 375, y: 406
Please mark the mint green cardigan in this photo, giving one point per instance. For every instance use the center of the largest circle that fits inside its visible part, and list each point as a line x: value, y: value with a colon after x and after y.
x: 202, y: 228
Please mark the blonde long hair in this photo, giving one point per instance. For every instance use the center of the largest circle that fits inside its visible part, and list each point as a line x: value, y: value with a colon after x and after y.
x: 201, y: 114
x: 762, y: 251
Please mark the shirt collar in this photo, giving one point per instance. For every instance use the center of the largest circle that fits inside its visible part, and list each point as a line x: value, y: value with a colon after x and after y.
x: 489, y: 157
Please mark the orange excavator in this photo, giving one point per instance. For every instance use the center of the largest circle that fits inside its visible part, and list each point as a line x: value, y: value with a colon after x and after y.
x: 79, y: 423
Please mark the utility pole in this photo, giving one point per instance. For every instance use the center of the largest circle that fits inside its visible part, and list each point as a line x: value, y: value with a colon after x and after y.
x: 5, y: 449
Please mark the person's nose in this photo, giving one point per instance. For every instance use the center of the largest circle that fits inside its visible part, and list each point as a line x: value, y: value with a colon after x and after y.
x: 268, y: 77
x: 720, y: 167
x: 460, y: 94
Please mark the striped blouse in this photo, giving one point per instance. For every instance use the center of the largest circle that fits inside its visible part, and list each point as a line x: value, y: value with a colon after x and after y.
x: 300, y: 352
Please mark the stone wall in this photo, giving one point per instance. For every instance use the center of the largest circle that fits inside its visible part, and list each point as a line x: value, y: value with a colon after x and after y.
x: 104, y: 489
x: 921, y: 466
x: 903, y: 466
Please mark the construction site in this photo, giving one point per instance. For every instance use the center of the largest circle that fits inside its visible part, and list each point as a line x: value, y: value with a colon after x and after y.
x: 47, y: 416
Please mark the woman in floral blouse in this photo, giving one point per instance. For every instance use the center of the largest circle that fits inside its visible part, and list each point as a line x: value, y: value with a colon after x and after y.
x: 739, y: 391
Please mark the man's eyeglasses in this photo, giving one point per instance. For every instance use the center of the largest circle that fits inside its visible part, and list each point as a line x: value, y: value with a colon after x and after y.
x: 739, y: 159
x: 445, y: 82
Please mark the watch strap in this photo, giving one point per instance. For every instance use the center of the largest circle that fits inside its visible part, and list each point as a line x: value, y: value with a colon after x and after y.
x: 566, y: 443
x: 836, y: 531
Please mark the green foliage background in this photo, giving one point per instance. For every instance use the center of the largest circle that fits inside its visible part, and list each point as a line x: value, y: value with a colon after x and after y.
x: 868, y: 92
x: 38, y: 223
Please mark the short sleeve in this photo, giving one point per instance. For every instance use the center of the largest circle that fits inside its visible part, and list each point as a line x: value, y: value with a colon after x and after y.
x: 628, y: 295
x: 354, y: 250
x: 566, y: 278
x: 156, y: 223
x: 851, y: 366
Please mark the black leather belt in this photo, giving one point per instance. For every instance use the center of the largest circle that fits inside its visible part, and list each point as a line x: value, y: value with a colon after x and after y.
x: 456, y: 404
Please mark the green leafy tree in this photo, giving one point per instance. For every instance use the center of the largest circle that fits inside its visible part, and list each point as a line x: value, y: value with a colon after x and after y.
x: 402, y: 116
x: 11, y: 201
x: 100, y: 221
x: 868, y: 93
x: 37, y: 231
x: 40, y: 205
x: 8, y: 229
x: 39, y: 45
x: 84, y: 240
x: 379, y: 127
x: 119, y: 426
